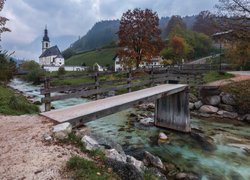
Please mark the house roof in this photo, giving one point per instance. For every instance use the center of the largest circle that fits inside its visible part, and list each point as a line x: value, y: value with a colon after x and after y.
x: 52, y: 51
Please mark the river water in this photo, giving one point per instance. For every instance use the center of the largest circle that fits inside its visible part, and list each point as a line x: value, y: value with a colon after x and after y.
x: 221, y: 151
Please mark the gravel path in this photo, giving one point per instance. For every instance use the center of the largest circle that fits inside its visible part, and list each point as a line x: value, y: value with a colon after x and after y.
x: 24, y: 154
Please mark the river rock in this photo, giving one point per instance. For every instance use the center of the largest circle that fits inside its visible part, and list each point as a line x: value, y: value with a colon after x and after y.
x: 124, y: 170
x: 47, y: 137
x: 212, y: 100
x: 152, y: 160
x: 226, y: 107
x: 191, y: 106
x: 228, y: 99
x: 209, y: 91
x: 150, y: 107
x: 138, y: 164
x: 61, y: 131
x: 208, y: 109
x: 246, y: 118
x: 111, y: 93
x: 114, y: 154
x: 198, y: 104
x: 186, y: 176
x: 37, y: 103
x: 227, y: 114
x: 157, y: 173
x: 90, y: 143
x: 163, y: 136
x: 192, y: 98
x: 147, y: 121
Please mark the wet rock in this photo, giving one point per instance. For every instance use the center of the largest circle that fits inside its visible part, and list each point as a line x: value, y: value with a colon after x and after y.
x: 124, y: 170
x: 227, y: 114
x: 246, y: 118
x: 37, y: 103
x: 163, y: 136
x: 226, y: 107
x: 152, y: 160
x: 191, y: 106
x: 192, y: 98
x: 138, y: 164
x: 186, y: 176
x: 147, y: 121
x: 89, y: 143
x: 198, y: 104
x: 151, y: 107
x: 115, y: 155
x: 61, y: 131
x: 208, y: 109
x: 157, y: 173
x: 47, y: 137
x: 212, y: 100
x: 228, y: 99
x: 209, y: 91
x: 132, y: 115
x: 204, y: 141
x: 206, y: 115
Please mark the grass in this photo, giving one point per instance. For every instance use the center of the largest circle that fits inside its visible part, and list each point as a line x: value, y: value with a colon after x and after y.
x: 85, y: 169
x: 15, y: 104
x: 72, y: 81
x: 215, y: 76
x: 76, y: 141
x: 148, y: 175
x: 242, y: 91
x: 102, y: 57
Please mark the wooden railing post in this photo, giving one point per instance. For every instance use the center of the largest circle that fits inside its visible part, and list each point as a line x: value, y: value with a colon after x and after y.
x: 129, y: 78
x: 47, y: 96
x: 97, y: 85
x: 152, y: 76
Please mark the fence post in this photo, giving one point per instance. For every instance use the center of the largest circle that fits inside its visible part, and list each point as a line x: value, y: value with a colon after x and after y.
x: 152, y: 76
x: 129, y: 76
x: 47, y: 94
x: 97, y: 85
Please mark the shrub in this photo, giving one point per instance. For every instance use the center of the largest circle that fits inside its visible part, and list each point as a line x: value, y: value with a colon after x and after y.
x: 61, y: 71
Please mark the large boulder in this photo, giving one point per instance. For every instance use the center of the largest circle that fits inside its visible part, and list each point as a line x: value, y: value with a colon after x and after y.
x: 246, y: 118
x: 191, y: 106
x: 115, y: 155
x: 147, y: 121
x: 152, y: 160
x: 61, y: 131
x: 192, y: 98
x: 212, y: 100
x: 198, y: 104
x: 226, y: 107
x: 208, y: 109
x: 186, y: 176
x: 228, y: 99
x: 89, y: 143
x: 138, y: 164
x: 209, y: 91
x: 226, y: 114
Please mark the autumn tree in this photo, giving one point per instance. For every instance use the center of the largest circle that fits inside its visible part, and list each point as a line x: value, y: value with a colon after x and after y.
x: 175, y: 24
x: 139, y: 36
x: 3, y: 20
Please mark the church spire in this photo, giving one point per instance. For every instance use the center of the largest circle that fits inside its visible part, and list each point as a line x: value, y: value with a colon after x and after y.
x: 46, y: 37
x: 45, y: 42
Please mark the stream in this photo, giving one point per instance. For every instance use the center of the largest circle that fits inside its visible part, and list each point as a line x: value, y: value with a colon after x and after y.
x: 222, y: 151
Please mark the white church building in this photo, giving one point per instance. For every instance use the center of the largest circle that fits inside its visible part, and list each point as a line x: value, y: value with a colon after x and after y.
x: 51, y: 58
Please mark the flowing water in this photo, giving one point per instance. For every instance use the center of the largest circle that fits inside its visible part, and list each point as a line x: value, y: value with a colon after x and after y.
x: 220, y: 151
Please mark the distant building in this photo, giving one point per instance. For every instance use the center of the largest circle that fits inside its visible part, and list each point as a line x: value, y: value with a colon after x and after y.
x: 51, y: 58
x: 97, y: 67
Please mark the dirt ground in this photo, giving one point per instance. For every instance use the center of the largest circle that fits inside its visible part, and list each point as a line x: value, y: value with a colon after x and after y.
x: 25, y: 155
x: 237, y: 78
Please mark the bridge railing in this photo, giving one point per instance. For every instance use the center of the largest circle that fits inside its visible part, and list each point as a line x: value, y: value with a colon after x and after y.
x: 123, y: 82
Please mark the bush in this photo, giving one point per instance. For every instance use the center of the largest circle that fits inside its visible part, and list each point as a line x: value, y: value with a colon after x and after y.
x: 7, y: 68
x: 61, y: 71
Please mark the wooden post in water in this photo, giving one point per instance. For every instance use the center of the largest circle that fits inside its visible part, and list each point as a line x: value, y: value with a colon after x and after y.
x: 97, y: 85
x: 47, y: 96
x: 172, y: 111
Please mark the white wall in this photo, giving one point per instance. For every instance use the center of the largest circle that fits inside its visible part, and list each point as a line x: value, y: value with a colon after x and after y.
x: 51, y: 60
x: 67, y: 68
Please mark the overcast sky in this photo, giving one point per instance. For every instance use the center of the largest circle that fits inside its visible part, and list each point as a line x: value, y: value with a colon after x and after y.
x: 75, y: 17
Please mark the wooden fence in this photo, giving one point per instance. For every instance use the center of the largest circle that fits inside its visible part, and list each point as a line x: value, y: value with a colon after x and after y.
x: 124, y: 81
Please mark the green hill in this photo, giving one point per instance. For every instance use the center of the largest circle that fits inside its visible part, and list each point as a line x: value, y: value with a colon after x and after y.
x: 101, y: 56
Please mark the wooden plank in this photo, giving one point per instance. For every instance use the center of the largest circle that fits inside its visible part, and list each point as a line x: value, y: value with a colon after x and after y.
x: 96, y: 109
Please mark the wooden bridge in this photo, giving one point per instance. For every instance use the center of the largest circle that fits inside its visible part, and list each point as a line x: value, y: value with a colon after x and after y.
x: 171, y: 100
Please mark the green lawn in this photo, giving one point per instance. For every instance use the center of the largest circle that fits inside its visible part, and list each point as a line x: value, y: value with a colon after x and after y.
x: 12, y: 103
x: 101, y: 56
x: 215, y: 76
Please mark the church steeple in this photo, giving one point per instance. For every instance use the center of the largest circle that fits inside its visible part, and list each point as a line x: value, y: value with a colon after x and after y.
x: 45, y: 42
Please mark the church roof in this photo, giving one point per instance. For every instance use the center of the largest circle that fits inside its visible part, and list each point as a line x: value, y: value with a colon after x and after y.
x: 52, y: 51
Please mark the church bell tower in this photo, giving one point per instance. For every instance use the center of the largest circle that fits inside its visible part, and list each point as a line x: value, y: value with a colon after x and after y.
x: 45, y: 42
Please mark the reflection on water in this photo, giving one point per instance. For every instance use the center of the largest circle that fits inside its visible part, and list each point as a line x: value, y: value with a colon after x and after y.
x: 221, y: 152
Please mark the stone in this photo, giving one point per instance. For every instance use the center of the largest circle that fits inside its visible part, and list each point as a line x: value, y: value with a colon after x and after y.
x: 90, y: 143
x: 246, y: 118
x: 163, y: 136
x: 191, y: 106
x: 111, y: 93
x: 61, y: 131
x: 212, y: 100
x: 147, y: 121
x: 226, y: 107
x: 37, y: 103
x: 228, y: 99
x: 150, y: 107
x: 208, y: 109
x: 198, y: 104
x: 47, y: 137
x: 157, y: 173
x: 138, y: 164
x: 192, y: 98
x: 209, y: 91
x: 186, y: 176
x: 153, y: 160
x: 115, y: 155
x: 226, y: 114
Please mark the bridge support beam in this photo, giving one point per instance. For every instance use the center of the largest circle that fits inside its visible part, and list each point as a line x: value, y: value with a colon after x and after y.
x: 172, y: 111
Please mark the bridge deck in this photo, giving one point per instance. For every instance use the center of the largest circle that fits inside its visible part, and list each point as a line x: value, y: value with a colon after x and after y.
x: 96, y: 109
